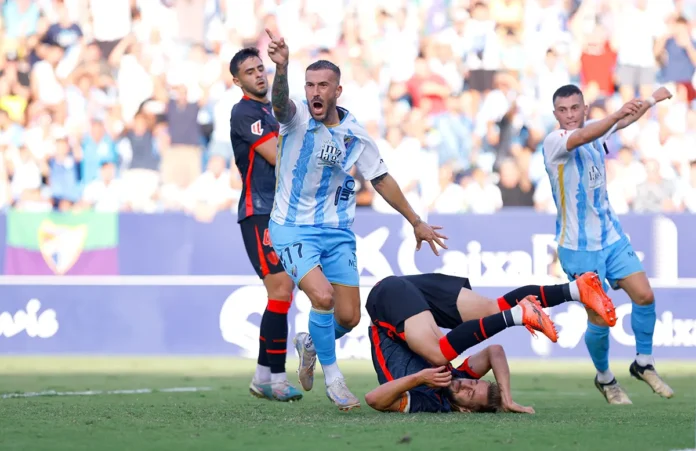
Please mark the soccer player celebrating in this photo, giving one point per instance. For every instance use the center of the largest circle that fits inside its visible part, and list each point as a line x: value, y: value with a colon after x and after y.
x: 589, y: 235
x: 407, y: 313
x: 254, y: 134
x: 315, y: 207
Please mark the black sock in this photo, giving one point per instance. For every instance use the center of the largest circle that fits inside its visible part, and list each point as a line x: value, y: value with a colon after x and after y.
x: 263, y: 357
x: 548, y: 295
x: 274, y: 328
x: 473, y: 332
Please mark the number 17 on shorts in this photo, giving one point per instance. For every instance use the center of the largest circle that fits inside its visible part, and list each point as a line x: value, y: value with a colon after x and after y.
x: 302, y: 249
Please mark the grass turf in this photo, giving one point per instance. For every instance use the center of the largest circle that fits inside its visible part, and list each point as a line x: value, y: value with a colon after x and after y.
x: 571, y: 414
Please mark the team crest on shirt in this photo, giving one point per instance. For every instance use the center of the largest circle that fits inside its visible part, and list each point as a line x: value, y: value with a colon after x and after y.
x: 272, y: 257
x: 330, y: 153
x: 595, y: 176
x: 349, y: 140
x: 256, y: 128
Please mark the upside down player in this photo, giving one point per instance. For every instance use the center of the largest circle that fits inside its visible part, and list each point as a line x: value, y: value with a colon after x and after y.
x: 589, y: 235
x: 254, y: 133
x: 407, y: 313
x: 315, y: 207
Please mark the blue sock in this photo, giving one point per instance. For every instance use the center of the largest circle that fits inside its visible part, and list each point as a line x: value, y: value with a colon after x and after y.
x: 340, y: 330
x: 597, y: 341
x: 321, y: 328
x: 643, y: 319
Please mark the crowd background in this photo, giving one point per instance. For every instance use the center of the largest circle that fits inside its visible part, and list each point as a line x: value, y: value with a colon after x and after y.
x: 124, y: 105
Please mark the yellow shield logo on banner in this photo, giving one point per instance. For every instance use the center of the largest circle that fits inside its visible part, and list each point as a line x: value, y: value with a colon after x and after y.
x: 61, y: 245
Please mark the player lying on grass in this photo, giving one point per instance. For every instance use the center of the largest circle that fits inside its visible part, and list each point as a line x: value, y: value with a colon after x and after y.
x: 407, y: 313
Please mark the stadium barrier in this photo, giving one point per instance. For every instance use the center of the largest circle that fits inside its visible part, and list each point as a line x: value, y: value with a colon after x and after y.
x: 168, y: 285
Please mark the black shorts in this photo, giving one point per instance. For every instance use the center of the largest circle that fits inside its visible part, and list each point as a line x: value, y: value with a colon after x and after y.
x: 396, y: 298
x: 257, y: 241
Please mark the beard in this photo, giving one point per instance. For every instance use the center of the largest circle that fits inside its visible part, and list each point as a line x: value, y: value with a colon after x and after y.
x: 256, y: 92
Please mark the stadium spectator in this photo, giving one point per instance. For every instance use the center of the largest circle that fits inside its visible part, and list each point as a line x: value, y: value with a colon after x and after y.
x: 443, y: 87
x: 655, y: 194
x: 481, y: 195
x: 515, y: 188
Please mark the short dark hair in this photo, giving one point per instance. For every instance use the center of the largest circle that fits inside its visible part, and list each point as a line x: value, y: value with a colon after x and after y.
x: 324, y: 64
x: 566, y: 91
x: 240, y: 57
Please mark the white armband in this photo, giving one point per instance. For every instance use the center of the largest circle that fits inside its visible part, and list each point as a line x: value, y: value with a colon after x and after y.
x: 651, y: 101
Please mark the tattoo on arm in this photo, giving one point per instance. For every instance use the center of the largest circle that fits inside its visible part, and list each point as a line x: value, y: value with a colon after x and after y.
x: 283, y: 108
x: 375, y: 181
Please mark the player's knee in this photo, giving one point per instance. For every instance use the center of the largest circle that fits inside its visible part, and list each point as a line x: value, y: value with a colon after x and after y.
x: 349, y: 320
x: 322, y: 298
x: 280, y: 287
x: 644, y: 296
x: 496, y: 350
x: 434, y: 355
x: 595, y: 319
x: 438, y: 358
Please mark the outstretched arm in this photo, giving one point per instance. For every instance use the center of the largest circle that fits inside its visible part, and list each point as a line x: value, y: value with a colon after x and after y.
x: 283, y: 107
x: 493, y: 357
x: 372, y: 167
x: 658, y: 96
x: 599, y: 128
x: 389, y: 189
x: 501, y: 372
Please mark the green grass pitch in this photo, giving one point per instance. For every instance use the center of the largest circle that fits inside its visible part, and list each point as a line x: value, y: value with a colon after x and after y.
x: 571, y: 414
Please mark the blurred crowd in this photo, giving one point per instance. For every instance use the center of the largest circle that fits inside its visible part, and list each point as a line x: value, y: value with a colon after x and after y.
x: 124, y: 105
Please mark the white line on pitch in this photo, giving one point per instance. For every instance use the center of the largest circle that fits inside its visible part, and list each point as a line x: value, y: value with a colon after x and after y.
x: 137, y: 391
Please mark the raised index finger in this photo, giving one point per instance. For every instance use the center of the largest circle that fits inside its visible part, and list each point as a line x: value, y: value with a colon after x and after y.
x: 270, y: 35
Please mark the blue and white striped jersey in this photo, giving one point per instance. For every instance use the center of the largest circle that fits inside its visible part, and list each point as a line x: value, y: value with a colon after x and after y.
x: 585, y: 220
x: 313, y: 184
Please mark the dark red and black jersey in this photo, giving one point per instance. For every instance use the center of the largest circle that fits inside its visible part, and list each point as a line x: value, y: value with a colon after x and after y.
x: 251, y: 124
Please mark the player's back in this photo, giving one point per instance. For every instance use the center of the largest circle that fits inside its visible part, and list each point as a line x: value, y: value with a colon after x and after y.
x: 314, y: 185
x: 252, y: 124
x: 585, y: 220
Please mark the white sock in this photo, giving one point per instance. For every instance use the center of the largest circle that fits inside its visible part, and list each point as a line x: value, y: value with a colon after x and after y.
x: 263, y: 374
x: 278, y: 378
x: 604, y: 377
x: 574, y: 292
x: 331, y: 373
x: 516, y: 313
x: 644, y: 359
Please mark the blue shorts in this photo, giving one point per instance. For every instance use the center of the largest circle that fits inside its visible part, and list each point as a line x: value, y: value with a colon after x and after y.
x: 612, y: 264
x: 303, y: 248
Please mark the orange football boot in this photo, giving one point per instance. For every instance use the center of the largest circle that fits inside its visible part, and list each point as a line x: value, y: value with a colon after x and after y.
x: 534, y: 318
x: 593, y: 296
